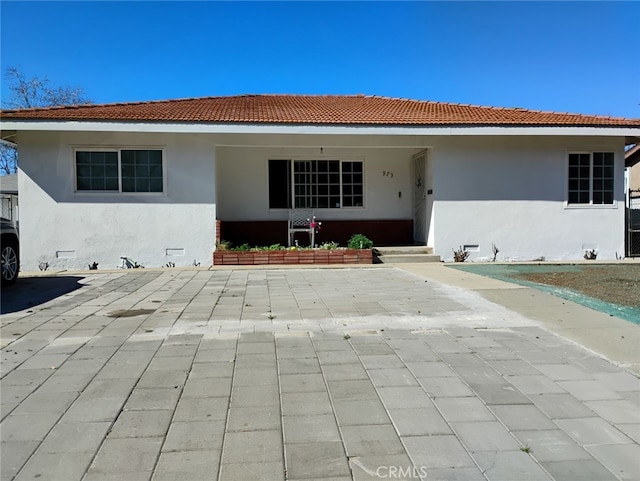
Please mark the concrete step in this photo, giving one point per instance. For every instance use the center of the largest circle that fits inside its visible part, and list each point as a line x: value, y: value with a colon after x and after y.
x: 407, y: 258
x: 405, y: 254
x: 392, y: 250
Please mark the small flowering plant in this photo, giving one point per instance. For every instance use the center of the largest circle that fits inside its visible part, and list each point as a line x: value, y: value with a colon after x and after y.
x: 314, y: 224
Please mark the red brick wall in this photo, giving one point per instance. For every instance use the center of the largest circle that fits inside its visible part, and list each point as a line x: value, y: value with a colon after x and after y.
x: 264, y: 233
x: 297, y: 256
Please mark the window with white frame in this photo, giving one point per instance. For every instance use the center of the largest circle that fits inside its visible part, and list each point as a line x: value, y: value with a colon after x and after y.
x: 591, y: 177
x: 119, y: 170
x: 315, y: 184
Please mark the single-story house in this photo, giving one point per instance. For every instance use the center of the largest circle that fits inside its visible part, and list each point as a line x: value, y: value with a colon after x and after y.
x: 161, y: 181
x: 632, y: 162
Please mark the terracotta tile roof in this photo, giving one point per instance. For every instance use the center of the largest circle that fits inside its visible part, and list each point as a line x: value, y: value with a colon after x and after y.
x: 315, y: 110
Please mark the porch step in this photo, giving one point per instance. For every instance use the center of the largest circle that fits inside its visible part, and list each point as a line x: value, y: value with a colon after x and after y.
x: 405, y: 254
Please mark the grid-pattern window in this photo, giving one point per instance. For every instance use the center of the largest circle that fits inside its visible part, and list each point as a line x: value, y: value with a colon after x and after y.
x: 124, y: 170
x: 579, y: 178
x: 591, y: 178
x: 603, y: 177
x: 141, y: 170
x: 316, y: 184
x: 352, y: 183
x: 97, y: 171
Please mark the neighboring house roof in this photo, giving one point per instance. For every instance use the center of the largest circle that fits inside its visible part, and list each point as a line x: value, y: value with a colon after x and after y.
x: 632, y: 156
x: 9, y: 184
x: 315, y: 110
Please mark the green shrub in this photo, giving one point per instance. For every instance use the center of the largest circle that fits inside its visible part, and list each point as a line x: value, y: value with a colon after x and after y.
x: 223, y: 245
x: 359, y: 241
x: 247, y: 247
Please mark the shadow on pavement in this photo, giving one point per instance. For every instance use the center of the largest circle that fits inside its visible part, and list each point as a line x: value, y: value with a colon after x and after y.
x: 29, y: 292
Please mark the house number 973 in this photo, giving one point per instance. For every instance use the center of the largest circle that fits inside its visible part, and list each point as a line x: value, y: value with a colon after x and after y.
x: 386, y: 173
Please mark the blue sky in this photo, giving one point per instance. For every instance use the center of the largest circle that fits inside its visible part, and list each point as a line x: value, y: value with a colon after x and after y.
x: 561, y: 56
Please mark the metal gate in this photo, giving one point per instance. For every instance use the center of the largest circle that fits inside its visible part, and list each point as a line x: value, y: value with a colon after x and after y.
x: 633, y: 224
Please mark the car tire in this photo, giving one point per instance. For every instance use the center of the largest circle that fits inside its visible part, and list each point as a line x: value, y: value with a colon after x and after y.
x: 9, y: 263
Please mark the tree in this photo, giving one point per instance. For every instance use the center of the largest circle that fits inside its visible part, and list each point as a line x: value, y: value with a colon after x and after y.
x: 8, y: 159
x: 36, y: 92
x: 33, y: 92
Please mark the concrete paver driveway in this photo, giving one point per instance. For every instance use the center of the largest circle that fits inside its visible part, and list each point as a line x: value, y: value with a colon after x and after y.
x: 299, y: 374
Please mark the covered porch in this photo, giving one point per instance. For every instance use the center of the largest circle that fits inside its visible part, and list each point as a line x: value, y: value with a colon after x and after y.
x: 352, y: 184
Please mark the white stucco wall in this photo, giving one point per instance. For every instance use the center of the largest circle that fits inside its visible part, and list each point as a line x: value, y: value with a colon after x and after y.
x: 506, y: 190
x: 71, y: 230
x: 512, y: 192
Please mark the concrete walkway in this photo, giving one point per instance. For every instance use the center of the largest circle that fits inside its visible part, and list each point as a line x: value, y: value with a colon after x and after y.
x: 308, y: 374
x: 614, y: 338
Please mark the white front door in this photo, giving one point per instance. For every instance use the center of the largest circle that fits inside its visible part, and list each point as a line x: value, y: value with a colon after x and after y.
x: 420, y: 198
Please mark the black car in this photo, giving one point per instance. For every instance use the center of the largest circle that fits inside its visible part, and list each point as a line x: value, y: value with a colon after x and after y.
x: 9, y: 252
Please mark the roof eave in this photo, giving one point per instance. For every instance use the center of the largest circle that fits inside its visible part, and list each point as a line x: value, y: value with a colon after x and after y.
x: 632, y: 156
x: 10, y: 126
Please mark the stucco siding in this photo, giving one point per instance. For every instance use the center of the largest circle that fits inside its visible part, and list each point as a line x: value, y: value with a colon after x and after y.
x: 634, y: 177
x: 512, y: 193
x: 69, y: 230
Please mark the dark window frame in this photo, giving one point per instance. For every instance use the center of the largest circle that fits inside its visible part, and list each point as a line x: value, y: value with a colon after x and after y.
x: 133, y: 170
x: 591, y: 179
x: 316, y: 183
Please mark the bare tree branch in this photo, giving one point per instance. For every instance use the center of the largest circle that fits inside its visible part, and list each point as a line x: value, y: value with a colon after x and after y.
x: 8, y: 159
x: 37, y: 92
x: 29, y: 93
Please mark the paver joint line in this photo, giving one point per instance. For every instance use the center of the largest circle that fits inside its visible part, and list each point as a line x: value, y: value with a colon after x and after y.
x: 339, y: 380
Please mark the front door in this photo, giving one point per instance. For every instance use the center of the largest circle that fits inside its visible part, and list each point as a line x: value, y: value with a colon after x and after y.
x: 420, y: 198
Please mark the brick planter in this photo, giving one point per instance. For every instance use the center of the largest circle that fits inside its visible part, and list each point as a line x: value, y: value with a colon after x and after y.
x: 317, y: 256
